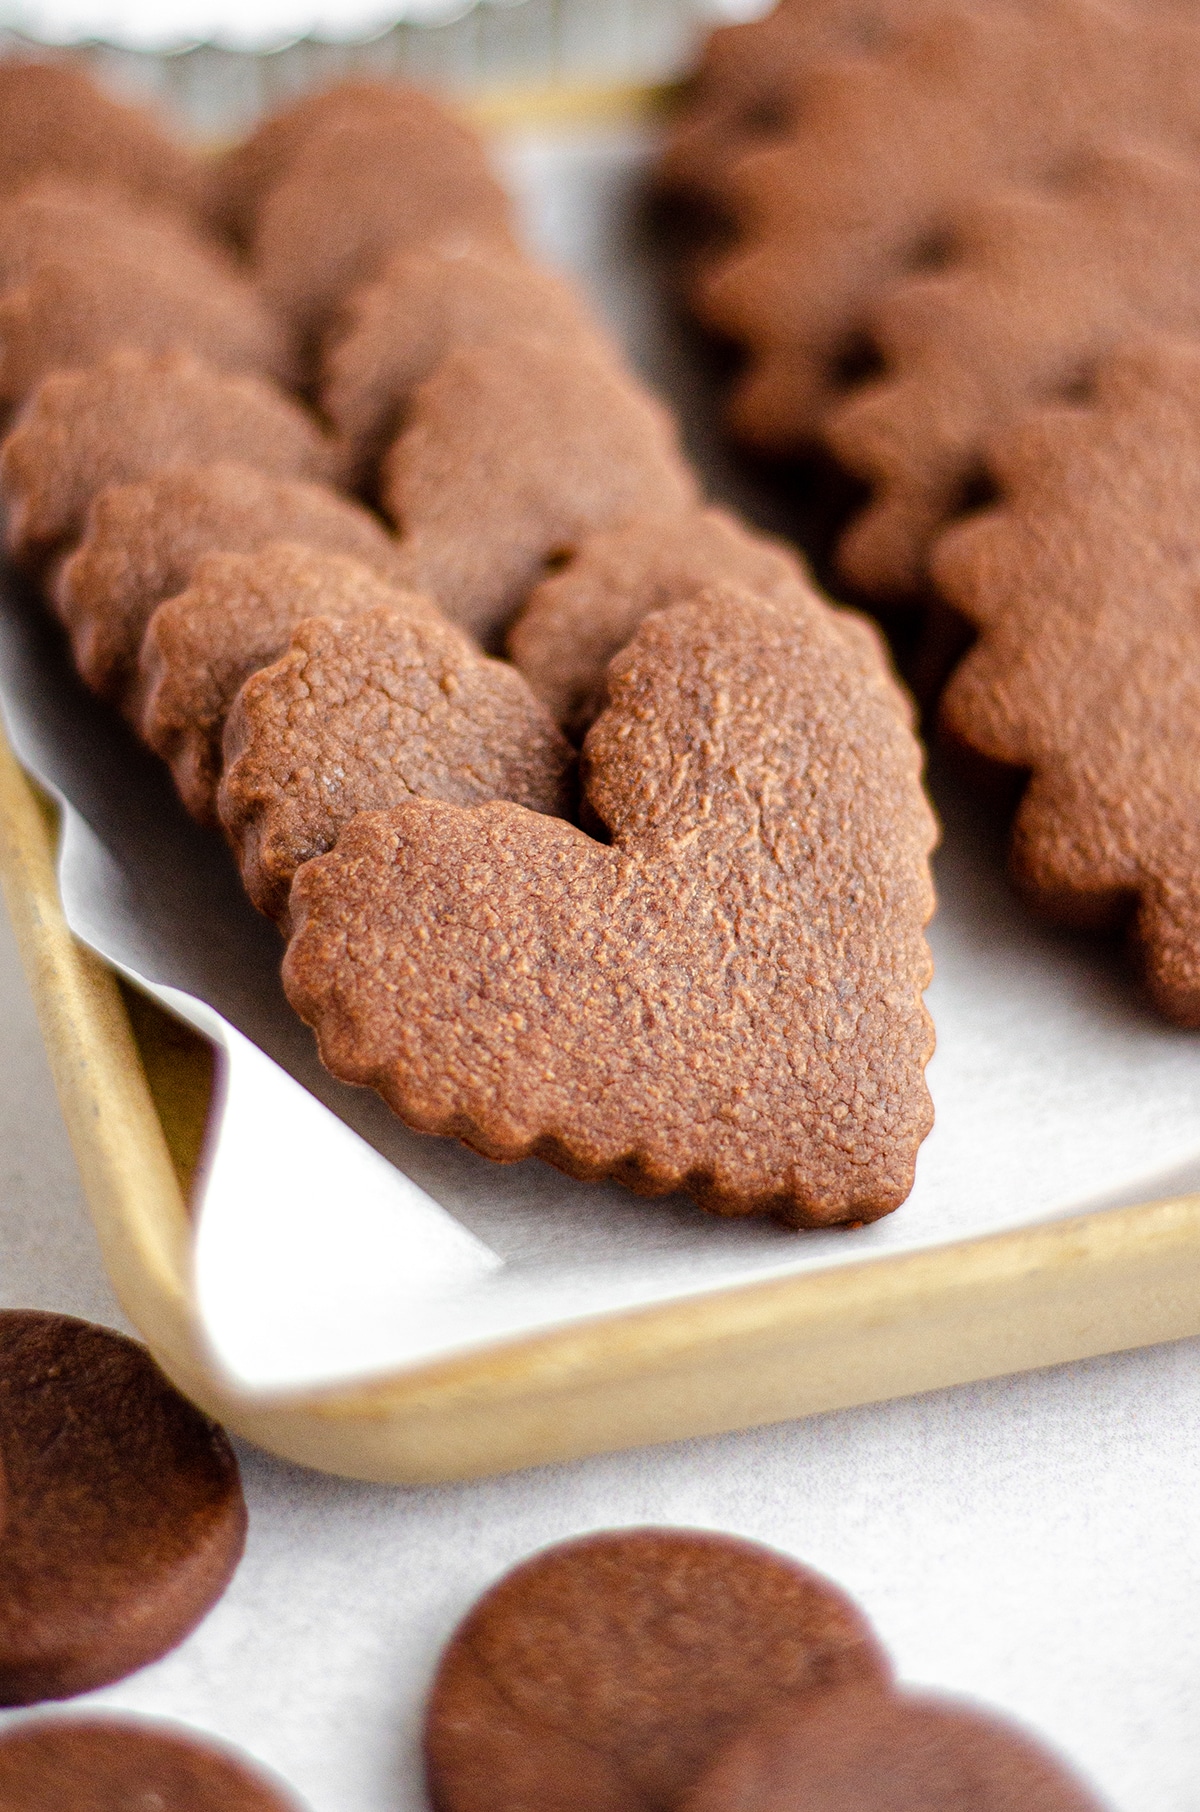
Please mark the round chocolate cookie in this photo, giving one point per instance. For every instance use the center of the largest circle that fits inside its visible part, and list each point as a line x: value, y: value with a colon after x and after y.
x: 119, y: 1765
x: 125, y: 1512
x: 605, y: 1674
x: 855, y: 1751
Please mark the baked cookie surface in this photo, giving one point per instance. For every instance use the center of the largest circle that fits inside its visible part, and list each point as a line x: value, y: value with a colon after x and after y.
x: 391, y: 703
x: 602, y: 1674
x: 503, y: 977
x: 115, y: 1764
x: 125, y: 1518
x: 1086, y: 675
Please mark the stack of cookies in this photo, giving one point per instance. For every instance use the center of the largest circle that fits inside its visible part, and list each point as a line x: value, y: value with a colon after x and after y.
x: 958, y: 249
x: 300, y: 459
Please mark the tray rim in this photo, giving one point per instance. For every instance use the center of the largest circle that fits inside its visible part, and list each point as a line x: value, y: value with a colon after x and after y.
x: 744, y: 1356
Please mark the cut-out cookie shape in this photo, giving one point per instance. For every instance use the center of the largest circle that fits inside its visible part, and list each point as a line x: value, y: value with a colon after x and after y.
x: 143, y: 542
x: 577, y: 619
x: 237, y: 614
x: 132, y: 416
x: 55, y: 218
x: 361, y: 187
x: 727, y: 999
x: 250, y: 170
x: 510, y: 456
x: 889, y: 148
x: 856, y: 1751
x: 1087, y: 672
x: 113, y: 1764
x: 393, y: 332
x: 56, y: 122
x: 1040, y: 285
x: 125, y: 1517
x: 749, y: 84
x: 74, y: 313
x: 390, y: 704
x: 603, y: 1674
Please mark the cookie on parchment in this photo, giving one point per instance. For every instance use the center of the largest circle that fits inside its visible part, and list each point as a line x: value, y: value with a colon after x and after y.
x: 389, y: 704
x: 392, y: 332
x: 359, y: 187
x: 143, y: 541
x: 125, y: 1518
x: 509, y: 456
x: 1086, y: 675
x: 134, y: 415
x: 237, y: 613
x: 74, y: 312
x: 725, y: 1000
x: 116, y: 1764
x: 603, y: 1674
x: 1041, y: 283
x: 889, y: 148
x: 862, y: 1751
x: 575, y: 620
x: 58, y: 123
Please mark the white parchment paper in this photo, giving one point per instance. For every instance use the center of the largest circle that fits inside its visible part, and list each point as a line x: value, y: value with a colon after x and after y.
x: 332, y: 1241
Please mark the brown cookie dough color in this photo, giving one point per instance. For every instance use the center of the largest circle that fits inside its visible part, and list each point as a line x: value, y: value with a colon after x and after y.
x: 575, y: 621
x: 509, y: 456
x: 130, y: 417
x: 502, y: 977
x: 393, y: 704
x: 361, y: 185
x: 123, y: 1765
x: 56, y: 122
x: 125, y: 1513
x: 391, y: 333
x: 238, y: 614
x: 889, y: 146
x: 143, y: 542
x: 1041, y: 284
x: 604, y: 1674
x: 1086, y: 674
x: 854, y: 1751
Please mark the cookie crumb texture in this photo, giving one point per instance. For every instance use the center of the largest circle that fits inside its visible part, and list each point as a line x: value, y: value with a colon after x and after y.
x: 119, y: 1765
x: 604, y: 1674
x: 125, y: 1517
x: 1086, y: 674
x: 726, y: 999
x: 856, y: 1751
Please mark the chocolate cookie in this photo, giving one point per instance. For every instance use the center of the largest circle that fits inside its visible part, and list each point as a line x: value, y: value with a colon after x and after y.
x: 238, y: 613
x: 56, y: 122
x: 856, y: 1751
x: 143, y: 541
x: 132, y: 416
x: 1082, y: 584
x: 888, y: 149
x: 392, y: 332
x: 250, y: 169
x: 125, y: 1514
x: 361, y: 187
x: 1039, y: 286
x: 126, y: 1765
x: 390, y: 704
x: 604, y: 1674
x: 56, y: 218
x: 73, y: 312
x: 500, y: 976
x: 577, y: 619
x: 508, y: 457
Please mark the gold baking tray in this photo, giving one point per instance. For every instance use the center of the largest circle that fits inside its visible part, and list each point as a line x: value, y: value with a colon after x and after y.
x: 134, y: 1088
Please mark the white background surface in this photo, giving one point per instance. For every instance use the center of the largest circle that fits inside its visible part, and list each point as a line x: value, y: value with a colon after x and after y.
x: 1034, y: 1541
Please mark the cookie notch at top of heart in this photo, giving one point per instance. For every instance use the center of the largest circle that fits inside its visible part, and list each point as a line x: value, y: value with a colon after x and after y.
x: 726, y: 998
